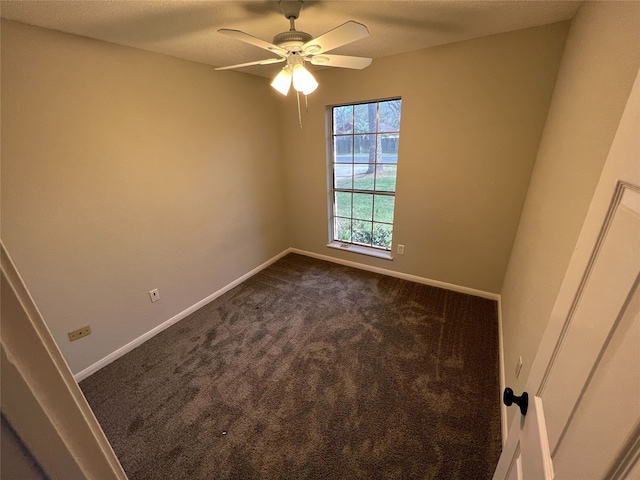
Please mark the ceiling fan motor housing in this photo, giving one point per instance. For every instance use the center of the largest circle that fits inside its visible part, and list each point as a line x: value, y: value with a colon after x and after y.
x: 291, y: 40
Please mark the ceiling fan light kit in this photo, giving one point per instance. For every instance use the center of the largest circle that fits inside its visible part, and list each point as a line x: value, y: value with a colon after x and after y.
x: 295, y: 48
x: 303, y: 81
x: 282, y: 82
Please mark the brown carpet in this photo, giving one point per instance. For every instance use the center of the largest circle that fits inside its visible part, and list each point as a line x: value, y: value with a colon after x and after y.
x: 311, y: 370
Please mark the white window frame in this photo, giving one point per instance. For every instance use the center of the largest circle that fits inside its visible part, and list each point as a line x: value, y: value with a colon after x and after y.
x: 354, y: 247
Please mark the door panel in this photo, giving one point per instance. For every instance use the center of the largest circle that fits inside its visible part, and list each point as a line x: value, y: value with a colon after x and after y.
x: 591, y: 410
x: 584, y: 385
x: 535, y: 461
x: 604, y: 421
x: 536, y: 458
x: 612, y: 275
x: 515, y: 470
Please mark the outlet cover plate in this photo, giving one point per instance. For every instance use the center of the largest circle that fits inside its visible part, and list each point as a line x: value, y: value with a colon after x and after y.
x: 79, y: 333
x: 154, y: 294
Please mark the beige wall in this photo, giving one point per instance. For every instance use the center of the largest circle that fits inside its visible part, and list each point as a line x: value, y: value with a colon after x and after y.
x: 124, y: 171
x: 601, y: 60
x: 472, y: 116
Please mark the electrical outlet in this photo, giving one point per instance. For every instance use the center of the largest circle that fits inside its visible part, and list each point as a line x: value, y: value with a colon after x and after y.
x: 81, y: 332
x: 518, y: 367
x: 400, y: 249
x: 155, y: 295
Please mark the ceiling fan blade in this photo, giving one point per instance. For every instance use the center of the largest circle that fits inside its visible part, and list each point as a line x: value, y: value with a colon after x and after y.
x: 342, y: 61
x: 268, y: 61
x: 341, y: 35
x: 258, y: 42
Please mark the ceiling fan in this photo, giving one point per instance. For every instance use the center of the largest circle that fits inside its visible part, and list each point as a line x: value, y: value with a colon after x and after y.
x: 295, y: 48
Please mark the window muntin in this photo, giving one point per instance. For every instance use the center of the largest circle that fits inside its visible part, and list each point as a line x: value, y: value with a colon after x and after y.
x: 364, y: 166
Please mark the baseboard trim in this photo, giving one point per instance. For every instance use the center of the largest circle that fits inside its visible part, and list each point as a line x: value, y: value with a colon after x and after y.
x: 90, y: 370
x: 404, y: 276
x: 503, y: 382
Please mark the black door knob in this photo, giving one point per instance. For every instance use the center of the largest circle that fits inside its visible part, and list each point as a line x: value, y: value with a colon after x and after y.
x: 522, y: 401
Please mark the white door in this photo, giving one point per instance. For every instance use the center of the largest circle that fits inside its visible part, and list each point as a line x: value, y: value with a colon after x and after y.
x: 583, y: 420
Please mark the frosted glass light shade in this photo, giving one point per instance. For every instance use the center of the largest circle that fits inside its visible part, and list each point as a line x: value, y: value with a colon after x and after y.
x: 282, y: 82
x: 303, y: 81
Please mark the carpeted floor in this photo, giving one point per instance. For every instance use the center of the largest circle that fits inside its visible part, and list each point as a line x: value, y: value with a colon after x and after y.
x: 311, y: 370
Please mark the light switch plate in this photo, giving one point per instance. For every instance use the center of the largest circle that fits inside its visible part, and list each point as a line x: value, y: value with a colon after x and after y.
x: 518, y: 366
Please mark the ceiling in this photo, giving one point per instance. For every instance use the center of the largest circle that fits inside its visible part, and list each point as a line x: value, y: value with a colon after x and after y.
x: 188, y: 29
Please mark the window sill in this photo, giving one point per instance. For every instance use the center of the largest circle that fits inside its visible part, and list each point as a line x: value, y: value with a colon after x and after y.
x: 372, y: 252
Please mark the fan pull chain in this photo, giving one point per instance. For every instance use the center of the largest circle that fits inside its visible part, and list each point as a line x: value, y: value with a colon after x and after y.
x: 299, y: 114
x: 306, y: 103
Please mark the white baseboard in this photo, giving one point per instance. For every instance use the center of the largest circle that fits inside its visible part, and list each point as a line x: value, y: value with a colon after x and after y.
x: 404, y: 276
x: 503, y: 383
x: 90, y: 370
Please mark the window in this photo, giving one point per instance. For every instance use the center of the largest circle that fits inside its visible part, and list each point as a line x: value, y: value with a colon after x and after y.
x: 364, y: 164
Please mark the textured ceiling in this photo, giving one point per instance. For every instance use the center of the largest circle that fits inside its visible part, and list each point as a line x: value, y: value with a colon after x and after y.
x: 188, y: 29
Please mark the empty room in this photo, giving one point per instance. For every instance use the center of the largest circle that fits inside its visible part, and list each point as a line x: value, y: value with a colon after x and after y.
x: 320, y: 239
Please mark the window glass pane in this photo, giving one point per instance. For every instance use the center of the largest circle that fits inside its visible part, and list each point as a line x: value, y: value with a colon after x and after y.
x: 366, y: 118
x: 343, y: 204
x: 364, y: 147
x: 389, y: 116
x: 343, y: 119
x: 343, y: 148
x: 364, y: 180
x: 382, y: 234
x: 342, y: 229
x: 360, y: 169
x: 386, y: 178
x: 362, y: 206
x: 383, y: 208
x: 388, y: 147
x: 343, y: 175
x: 362, y: 232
